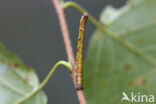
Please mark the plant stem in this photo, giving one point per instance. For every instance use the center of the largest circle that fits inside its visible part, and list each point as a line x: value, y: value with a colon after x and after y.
x: 62, y: 20
x: 81, y: 10
x: 68, y: 65
x: 65, y: 31
x: 112, y: 35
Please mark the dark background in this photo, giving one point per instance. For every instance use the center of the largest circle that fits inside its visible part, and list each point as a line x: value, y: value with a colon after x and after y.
x: 30, y: 29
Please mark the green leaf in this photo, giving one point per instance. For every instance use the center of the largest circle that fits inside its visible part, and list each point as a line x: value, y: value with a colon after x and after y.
x: 111, y: 69
x: 17, y: 80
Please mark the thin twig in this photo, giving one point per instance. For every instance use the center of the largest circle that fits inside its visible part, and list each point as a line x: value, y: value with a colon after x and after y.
x: 64, y: 29
x: 68, y: 46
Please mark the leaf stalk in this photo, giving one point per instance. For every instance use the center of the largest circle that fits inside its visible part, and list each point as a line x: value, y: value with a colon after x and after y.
x: 68, y: 65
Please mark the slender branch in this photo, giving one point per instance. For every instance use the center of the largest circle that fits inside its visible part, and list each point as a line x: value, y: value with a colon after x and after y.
x: 31, y: 94
x: 65, y: 32
x: 68, y: 46
x: 112, y: 35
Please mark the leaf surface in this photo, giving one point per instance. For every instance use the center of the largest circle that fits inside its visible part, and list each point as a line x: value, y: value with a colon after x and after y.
x: 17, y: 80
x: 111, y: 69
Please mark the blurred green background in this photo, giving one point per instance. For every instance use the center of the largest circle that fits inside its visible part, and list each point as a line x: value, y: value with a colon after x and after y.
x: 30, y: 29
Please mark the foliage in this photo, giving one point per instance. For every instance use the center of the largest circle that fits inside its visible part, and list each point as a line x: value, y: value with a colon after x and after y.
x: 111, y: 68
x: 17, y: 80
x: 120, y: 59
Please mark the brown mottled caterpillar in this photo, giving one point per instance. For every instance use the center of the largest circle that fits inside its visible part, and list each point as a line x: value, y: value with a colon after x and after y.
x: 80, y: 50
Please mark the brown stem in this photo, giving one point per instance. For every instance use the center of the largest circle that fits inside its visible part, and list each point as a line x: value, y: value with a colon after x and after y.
x: 68, y: 46
x: 64, y: 29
